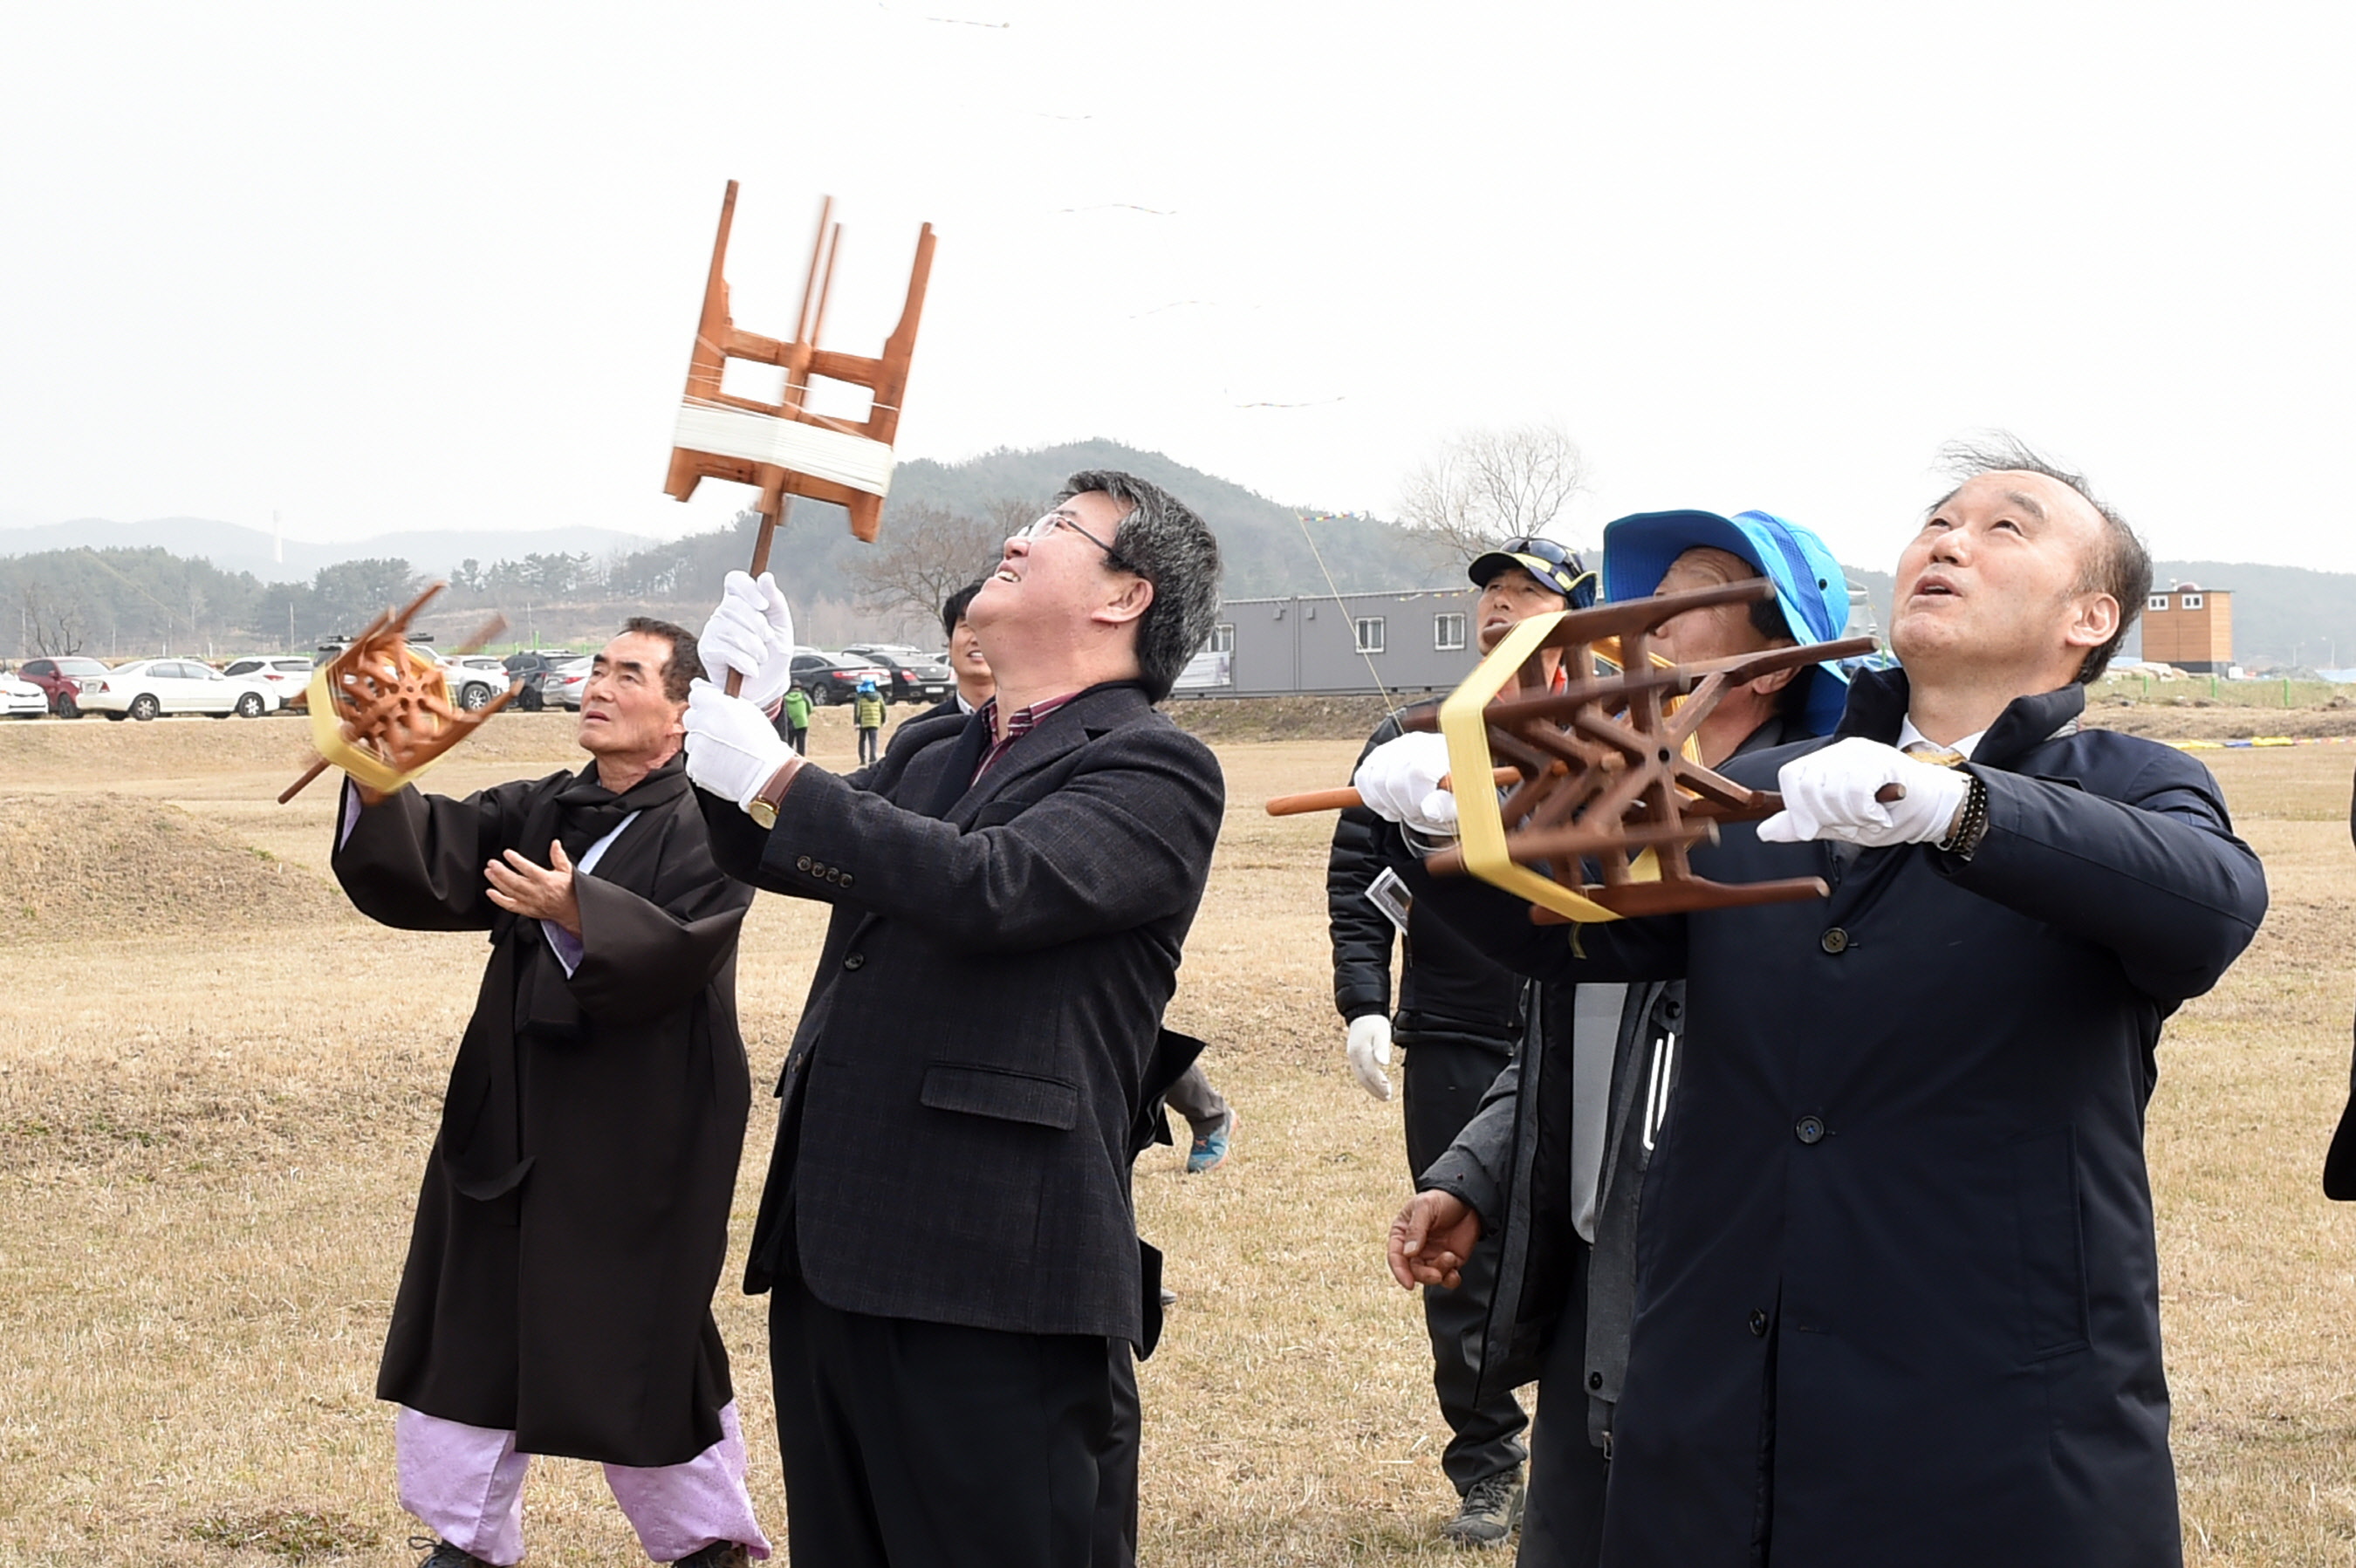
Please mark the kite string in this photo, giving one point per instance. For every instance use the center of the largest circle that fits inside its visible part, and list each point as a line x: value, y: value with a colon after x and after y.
x: 1318, y: 556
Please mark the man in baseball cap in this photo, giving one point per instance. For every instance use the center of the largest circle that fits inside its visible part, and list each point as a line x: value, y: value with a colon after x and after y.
x: 1459, y: 1020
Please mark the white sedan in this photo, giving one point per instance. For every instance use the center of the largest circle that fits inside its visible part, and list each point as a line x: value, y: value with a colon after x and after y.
x: 147, y: 687
x: 22, y: 699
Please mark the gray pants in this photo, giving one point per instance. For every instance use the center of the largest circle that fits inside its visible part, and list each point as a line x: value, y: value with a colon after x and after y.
x: 1194, y: 1097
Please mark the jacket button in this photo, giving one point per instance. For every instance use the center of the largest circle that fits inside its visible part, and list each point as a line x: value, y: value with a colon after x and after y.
x: 834, y: 873
x: 1834, y: 940
x: 801, y: 863
x: 1759, y: 1323
x: 1809, y: 1129
x: 854, y: 961
x: 1595, y: 1381
x: 846, y: 879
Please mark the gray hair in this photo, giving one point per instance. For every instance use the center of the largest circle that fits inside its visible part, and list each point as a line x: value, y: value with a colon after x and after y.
x: 1170, y: 547
x: 2120, y: 567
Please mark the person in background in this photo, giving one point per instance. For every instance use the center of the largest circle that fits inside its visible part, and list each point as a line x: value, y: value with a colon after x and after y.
x: 573, y: 1216
x: 1565, y: 1232
x: 1901, y: 1301
x: 1460, y: 1017
x: 969, y: 666
x: 793, y: 719
x: 867, y: 713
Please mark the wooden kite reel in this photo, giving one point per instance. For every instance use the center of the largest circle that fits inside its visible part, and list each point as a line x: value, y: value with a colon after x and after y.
x: 383, y: 712
x: 1600, y: 774
x: 784, y: 447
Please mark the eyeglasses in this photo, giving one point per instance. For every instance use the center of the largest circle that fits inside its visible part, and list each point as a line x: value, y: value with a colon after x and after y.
x: 1055, y: 519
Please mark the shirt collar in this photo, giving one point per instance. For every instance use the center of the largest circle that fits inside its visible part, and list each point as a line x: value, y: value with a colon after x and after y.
x: 1907, y: 735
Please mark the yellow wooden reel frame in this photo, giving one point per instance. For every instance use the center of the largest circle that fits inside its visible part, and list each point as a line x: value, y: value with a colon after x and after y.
x: 1611, y: 777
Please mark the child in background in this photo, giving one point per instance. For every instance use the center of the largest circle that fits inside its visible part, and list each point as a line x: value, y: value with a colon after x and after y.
x: 867, y: 713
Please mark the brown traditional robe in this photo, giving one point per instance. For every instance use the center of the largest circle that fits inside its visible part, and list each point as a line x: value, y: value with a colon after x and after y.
x: 575, y: 1212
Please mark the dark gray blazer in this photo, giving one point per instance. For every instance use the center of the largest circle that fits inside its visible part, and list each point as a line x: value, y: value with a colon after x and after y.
x: 954, y: 1144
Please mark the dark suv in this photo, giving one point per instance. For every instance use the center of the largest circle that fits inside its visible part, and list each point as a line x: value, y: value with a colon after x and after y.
x: 528, y: 668
x: 61, y: 677
x: 916, y: 677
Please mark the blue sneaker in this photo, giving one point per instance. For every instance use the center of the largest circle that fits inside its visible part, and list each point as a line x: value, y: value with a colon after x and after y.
x: 1210, y: 1148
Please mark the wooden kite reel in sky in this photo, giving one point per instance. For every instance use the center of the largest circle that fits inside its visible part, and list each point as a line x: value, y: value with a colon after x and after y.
x: 1600, y: 774
x: 383, y: 712
x: 784, y: 447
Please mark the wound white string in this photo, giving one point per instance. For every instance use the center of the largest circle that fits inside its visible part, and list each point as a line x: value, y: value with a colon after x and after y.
x: 853, y: 461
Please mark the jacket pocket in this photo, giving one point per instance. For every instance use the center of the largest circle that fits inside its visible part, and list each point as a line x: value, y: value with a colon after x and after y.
x: 1008, y: 1096
x: 2053, y: 1249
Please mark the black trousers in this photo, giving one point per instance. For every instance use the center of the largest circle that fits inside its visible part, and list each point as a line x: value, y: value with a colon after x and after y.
x: 1563, y: 1527
x: 869, y: 739
x: 908, y: 1444
x: 1442, y: 1082
x: 1115, y: 1531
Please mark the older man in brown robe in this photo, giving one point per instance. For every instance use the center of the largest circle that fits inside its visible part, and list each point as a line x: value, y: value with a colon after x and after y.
x: 573, y: 1217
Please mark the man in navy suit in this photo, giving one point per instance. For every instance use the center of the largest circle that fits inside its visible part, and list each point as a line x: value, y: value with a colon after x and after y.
x: 1898, y: 1294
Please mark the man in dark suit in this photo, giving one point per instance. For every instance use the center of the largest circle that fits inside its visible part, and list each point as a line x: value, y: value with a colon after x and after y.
x: 1899, y: 1296
x: 947, y: 1231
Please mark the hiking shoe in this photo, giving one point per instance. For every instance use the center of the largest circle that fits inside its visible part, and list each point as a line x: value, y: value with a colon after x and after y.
x: 1491, y: 1510
x: 719, y: 1554
x: 443, y: 1555
x: 1210, y: 1148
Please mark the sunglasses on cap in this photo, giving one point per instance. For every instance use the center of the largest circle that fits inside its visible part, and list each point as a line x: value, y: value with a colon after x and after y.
x: 1565, y: 573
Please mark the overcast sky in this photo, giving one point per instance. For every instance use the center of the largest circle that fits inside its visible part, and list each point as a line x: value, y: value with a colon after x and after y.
x: 437, y: 265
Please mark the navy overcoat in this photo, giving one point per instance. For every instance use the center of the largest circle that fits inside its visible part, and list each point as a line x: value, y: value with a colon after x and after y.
x: 1899, y: 1297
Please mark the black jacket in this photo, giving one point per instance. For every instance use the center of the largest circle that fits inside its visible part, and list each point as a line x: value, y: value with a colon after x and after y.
x: 1900, y: 1287
x: 1448, y: 988
x: 573, y: 1217
x: 967, y: 1079
x: 1511, y: 1165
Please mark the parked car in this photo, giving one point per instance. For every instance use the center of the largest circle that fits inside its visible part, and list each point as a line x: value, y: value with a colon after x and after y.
x: 287, y: 673
x: 147, y: 687
x: 61, y: 678
x: 529, y: 667
x: 475, y: 678
x: 917, y: 676
x: 20, y: 699
x: 832, y: 677
x: 560, y: 686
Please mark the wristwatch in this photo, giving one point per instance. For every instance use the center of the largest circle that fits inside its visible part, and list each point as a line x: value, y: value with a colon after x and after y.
x: 763, y: 807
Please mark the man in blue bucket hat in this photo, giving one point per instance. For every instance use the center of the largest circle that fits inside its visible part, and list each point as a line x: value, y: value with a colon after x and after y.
x: 1668, y: 552
x: 1565, y: 1261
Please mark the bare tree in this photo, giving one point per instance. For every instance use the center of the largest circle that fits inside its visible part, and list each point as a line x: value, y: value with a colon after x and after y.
x: 928, y: 553
x: 1485, y: 487
x: 53, y: 627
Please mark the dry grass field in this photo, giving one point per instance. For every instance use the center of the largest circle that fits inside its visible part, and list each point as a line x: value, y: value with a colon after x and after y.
x: 217, y: 1084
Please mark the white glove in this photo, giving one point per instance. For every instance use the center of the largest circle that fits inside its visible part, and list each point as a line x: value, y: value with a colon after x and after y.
x: 732, y: 747
x: 1829, y: 794
x: 1370, y: 1052
x: 751, y: 632
x: 1399, y: 781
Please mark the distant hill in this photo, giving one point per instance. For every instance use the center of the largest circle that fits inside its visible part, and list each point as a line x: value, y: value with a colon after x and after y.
x: 198, y: 583
x: 234, y: 548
